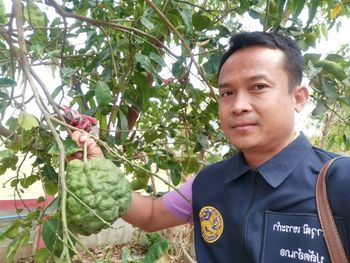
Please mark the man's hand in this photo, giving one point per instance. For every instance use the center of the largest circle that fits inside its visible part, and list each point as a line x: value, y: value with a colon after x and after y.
x: 93, y: 150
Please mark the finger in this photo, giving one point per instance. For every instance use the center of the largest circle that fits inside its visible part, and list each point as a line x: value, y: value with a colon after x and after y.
x: 75, y: 135
x: 83, y: 137
x: 77, y: 155
x: 91, y: 143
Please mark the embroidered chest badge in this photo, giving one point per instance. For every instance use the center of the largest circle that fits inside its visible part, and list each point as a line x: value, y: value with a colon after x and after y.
x: 212, y: 223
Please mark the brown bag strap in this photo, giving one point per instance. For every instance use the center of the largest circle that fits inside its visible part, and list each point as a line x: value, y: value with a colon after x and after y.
x: 330, y: 232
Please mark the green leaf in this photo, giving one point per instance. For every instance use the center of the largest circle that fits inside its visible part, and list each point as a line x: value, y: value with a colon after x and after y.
x: 312, y: 11
x: 5, y: 82
x: 185, y: 14
x: 154, y: 237
x: 50, y: 188
x: 19, y: 241
x: 345, y: 104
x: 156, y: 251
x: 313, y: 57
x: 254, y: 13
x: 178, y: 69
x: 68, y: 72
x: 151, y: 135
x: 8, y: 162
x: 49, y: 173
x: 6, y: 153
x: 203, y: 140
x: 332, y: 68
x: 299, y: 5
x: 69, y: 145
x: 148, y: 24
x: 103, y: 94
x: 158, y: 59
x: 330, y: 89
x: 34, y: 15
x: 281, y: 6
x: 337, y: 59
x: 12, y: 123
x: 223, y: 31
x: 144, y: 62
x: 175, y: 172
x: 3, y: 18
x: 212, y: 65
x: 57, y: 91
x: 200, y: 22
x: 27, y: 121
x: 27, y: 137
x: 311, y: 71
x: 244, y: 4
x: 10, y: 231
x: 4, y: 96
x: 52, y: 235
x: 123, y: 125
x: 42, y: 255
x: 28, y: 181
x: 330, y: 142
x: 190, y: 165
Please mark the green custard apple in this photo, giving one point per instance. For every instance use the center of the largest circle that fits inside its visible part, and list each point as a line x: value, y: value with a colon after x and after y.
x: 96, y: 187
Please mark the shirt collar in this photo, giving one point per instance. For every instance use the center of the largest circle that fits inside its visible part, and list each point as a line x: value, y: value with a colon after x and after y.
x: 277, y: 169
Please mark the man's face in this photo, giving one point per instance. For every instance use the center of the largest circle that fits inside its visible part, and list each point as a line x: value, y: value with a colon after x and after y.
x: 256, y: 109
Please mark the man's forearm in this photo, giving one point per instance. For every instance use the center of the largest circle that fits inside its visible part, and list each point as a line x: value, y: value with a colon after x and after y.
x: 150, y: 214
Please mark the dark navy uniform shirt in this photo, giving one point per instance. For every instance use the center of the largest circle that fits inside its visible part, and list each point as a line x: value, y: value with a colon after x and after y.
x: 268, y: 214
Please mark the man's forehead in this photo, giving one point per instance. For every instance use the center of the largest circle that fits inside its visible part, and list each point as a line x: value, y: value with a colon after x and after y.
x: 258, y: 50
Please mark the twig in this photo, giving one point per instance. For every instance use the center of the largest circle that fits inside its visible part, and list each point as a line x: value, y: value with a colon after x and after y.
x: 63, y: 41
x: 188, y: 257
x: 110, y: 51
x: 83, y: 246
x: 49, y: 98
x: 26, y: 70
x: 198, y: 6
x: 85, y: 152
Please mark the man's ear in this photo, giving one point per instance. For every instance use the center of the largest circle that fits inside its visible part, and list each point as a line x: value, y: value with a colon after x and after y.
x: 301, y: 96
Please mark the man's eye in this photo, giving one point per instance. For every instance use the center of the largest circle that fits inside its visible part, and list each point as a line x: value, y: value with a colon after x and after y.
x: 259, y: 86
x: 226, y: 93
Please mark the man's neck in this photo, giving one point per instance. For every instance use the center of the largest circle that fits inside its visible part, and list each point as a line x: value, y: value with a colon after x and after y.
x: 256, y: 158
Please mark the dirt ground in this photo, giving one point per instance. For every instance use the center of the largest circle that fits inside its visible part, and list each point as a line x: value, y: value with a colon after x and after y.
x: 180, y: 249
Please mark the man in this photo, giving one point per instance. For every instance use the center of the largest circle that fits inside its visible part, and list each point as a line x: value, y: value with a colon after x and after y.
x: 258, y: 206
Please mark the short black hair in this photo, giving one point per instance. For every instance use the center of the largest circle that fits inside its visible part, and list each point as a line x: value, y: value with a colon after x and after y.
x: 293, y: 62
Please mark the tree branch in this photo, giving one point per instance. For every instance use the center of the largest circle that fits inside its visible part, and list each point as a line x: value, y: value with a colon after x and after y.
x: 184, y: 43
x: 26, y: 70
x: 99, y: 23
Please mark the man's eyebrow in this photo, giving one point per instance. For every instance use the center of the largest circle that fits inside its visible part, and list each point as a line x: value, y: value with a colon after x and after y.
x: 222, y: 85
x: 259, y: 76
x: 250, y: 78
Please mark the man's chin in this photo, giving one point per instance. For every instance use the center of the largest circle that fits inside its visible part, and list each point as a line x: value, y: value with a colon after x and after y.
x: 244, y: 146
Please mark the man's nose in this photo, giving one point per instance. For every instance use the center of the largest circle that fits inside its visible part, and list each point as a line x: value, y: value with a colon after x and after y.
x: 241, y: 104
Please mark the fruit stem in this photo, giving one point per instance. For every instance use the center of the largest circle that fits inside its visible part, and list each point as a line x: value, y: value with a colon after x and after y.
x: 85, y: 152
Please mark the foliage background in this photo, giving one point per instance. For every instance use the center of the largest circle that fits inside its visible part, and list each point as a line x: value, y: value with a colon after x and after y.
x: 146, y: 70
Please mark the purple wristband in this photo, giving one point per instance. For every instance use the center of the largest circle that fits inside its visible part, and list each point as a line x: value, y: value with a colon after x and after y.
x: 179, y: 206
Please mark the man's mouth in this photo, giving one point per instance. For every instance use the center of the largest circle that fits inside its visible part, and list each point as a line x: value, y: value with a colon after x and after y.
x: 243, y: 124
